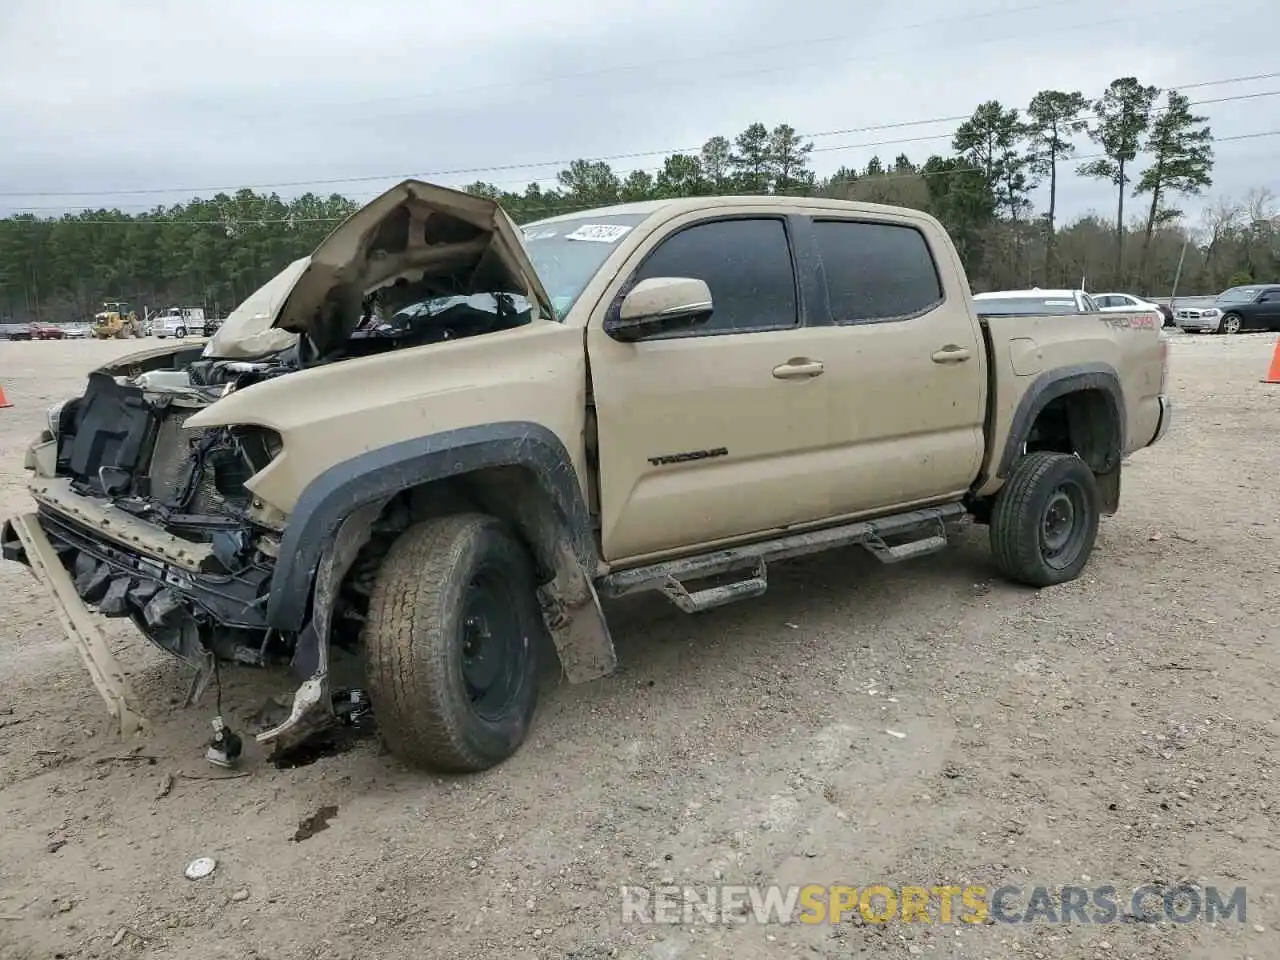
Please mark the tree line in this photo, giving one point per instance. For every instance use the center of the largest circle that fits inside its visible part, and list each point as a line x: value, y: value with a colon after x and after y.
x: 1146, y: 143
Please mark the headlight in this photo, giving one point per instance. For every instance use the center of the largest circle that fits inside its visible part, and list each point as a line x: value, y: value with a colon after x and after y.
x: 1211, y: 312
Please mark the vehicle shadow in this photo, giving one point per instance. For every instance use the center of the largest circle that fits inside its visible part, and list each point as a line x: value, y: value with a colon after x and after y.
x: 846, y: 591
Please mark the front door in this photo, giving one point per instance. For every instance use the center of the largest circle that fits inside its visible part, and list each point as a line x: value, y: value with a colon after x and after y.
x: 717, y: 432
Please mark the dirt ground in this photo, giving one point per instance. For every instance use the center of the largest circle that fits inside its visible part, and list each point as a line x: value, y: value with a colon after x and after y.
x: 1117, y: 730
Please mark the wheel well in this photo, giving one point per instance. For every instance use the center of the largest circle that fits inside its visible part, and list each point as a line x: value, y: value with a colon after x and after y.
x: 511, y: 493
x: 1083, y: 422
x: 570, y: 607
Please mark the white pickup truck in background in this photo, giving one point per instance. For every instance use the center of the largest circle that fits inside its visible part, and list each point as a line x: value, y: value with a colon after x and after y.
x: 178, y: 322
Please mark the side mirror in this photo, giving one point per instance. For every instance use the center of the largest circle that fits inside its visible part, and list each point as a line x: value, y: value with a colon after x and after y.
x: 658, y: 305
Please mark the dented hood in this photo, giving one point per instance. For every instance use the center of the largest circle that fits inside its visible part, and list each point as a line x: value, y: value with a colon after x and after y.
x: 415, y: 241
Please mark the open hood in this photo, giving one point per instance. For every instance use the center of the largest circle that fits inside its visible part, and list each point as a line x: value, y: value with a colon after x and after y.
x: 416, y: 241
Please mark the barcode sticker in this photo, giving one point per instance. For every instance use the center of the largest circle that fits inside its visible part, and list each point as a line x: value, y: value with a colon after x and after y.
x: 599, y: 232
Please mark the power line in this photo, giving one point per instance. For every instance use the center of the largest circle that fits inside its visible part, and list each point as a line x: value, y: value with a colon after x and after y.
x: 826, y: 63
x: 556, y: 209
x: 699, y: 59
x: 333, y: 181
x: 836, y: 148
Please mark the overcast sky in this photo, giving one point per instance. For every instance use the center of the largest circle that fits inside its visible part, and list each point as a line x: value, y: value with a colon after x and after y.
x: 103, y: 96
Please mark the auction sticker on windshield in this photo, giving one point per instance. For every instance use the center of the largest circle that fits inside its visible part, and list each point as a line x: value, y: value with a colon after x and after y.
x: 545, y: 233
x: 599, y: 232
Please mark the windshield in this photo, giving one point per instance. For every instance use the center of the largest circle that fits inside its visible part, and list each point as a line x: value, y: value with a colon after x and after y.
x: 1238, y: 295
x: 1008, y: 306
x: 565, y: 253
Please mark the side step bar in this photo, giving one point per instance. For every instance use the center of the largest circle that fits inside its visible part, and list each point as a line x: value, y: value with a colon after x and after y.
x: 712, y: 597
x: 926, y: 526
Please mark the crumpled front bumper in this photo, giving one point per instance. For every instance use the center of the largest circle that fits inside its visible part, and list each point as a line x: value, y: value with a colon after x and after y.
x: 23, y: 540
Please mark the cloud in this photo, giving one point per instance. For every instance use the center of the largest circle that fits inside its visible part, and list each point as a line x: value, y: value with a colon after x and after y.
x: 115, y: 96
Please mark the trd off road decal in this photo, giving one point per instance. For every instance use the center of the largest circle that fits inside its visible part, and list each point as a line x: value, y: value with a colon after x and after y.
x: 1124, y: 321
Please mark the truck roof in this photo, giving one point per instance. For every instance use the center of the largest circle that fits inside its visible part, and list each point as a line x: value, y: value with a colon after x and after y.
x: 680, y: 204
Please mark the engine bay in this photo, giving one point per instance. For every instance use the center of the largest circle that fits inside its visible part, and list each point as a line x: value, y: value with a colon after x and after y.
x: 124, y: 438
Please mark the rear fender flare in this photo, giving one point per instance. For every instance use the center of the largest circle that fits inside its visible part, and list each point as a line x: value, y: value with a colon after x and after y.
x: 1051, y: 385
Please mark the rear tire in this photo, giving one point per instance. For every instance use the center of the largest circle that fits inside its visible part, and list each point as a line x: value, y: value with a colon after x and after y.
x: 452, y: 640
x: 1045, y: 520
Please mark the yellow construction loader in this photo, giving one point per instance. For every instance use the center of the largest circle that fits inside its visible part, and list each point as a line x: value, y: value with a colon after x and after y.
x: 116, y: 320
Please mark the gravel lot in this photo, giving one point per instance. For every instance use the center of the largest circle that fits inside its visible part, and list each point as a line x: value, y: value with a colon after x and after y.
x: 1117, y: 730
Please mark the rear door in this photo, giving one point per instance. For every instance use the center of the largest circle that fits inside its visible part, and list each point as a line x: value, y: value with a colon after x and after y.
x: 717, y: 432
x: 905, y: 361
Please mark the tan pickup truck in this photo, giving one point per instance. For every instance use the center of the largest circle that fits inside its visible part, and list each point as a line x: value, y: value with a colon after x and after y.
x: 440, y: 439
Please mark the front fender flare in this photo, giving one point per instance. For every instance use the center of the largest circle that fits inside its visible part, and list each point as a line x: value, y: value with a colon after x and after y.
x: 570, y: 604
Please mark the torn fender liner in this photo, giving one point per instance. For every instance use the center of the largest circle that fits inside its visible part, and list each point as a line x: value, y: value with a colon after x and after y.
x: 312, y: 705
x: 330, y: 497
x: 78, y: 623
x: 569, y: 603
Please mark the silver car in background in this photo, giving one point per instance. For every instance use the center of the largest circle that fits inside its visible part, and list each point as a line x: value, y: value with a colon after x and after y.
x: 1200, y: 318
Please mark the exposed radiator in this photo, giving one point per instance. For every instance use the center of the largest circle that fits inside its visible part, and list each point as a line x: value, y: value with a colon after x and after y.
x: 170, y: 460
x: 221, y: 482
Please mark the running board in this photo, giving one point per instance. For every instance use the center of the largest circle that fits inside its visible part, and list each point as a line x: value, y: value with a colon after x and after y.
x: 910, y: 549
x: 668, y: 576
x: 712, y: 597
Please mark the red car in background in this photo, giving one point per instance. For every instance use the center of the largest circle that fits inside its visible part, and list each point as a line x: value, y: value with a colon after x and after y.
x: 46, y: 331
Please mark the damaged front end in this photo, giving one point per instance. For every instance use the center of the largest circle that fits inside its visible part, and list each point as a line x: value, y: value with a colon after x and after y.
x: 144, y: 485
x: 149, y: 520
x: 192, y: 571
x: 140, y: 516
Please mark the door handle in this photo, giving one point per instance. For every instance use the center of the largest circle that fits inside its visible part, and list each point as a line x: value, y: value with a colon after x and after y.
x: 799, y: 368
x: 950, y: 354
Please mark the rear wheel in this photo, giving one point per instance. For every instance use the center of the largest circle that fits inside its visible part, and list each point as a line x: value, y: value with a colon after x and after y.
x: 452, y: 639
x: 1045, y: 520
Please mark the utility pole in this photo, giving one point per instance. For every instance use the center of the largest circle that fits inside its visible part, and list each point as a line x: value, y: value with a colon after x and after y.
x: 1178, y: 274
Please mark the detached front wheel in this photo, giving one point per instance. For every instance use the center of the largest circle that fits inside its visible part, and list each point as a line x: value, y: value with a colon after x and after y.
x: 1045, y: 520
x: 452, y: 640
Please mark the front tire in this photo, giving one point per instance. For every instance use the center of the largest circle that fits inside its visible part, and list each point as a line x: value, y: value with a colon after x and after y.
x: 452, y: 641
x: 1045, y: 520
x: 180, y: 333
x: 1230, y: 324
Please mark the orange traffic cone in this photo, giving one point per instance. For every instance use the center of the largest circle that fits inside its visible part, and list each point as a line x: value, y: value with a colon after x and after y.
x: 4, y: 402
x: 1273, y: 375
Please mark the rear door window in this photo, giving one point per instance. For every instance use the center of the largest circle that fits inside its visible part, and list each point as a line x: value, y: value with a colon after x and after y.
x: 876, y: 271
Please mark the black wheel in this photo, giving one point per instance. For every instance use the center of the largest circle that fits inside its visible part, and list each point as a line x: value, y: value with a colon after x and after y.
x: 1230, y: 323
x: 1045, y: 520
x: 452, y: 638
x: 180, y: 332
